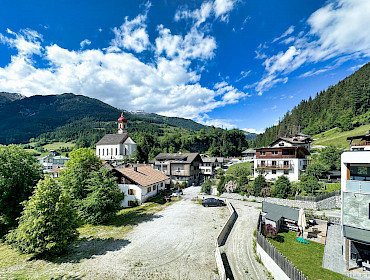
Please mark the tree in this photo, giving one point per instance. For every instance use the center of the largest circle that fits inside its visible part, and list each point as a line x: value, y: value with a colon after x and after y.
x: 77, y: 172
x: 243, y: 181
x: 282, y: 188
x: 206, y: 187
x: 330, y: 157
x: 316, y: 169
x: 19, y: 174
x: 309, y: 183
x: 221, y: 184
x: 48, y: 223
x: 259, y: 184
x: 103, y: 199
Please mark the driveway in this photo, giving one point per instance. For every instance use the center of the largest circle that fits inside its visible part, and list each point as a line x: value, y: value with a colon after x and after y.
x: 239, y: 245
x: 178, y: 244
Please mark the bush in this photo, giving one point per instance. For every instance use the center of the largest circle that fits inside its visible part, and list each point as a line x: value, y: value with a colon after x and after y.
x: 270, y: 231
x: 259, y: 184
x: 221, y: 185
x: 48, y: 223
x: 266, y: 192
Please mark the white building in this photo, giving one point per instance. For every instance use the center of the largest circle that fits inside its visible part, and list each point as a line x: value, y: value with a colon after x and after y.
x: 52, y: 160
x: 209, y: 165
x: 116, y: 146
x: 249, y: 155
x: 355, y: 185
x: 285, y: 156
x: 139, y: 184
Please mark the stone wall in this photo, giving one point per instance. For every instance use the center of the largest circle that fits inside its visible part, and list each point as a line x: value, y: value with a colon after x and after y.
x: 329, y: 203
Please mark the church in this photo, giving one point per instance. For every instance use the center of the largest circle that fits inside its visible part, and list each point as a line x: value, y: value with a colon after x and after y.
x: 116, y: 146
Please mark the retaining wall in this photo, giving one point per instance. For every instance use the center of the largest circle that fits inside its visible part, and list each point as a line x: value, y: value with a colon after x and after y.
x: 221, y: 239
x: 329, y: 203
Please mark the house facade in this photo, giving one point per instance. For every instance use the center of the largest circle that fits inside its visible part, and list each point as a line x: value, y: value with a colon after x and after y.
x: 139, y: 184
x: 249, y: 155
x: 285, y: 156
x: 209, y: 166
x: 117, y: 146
x: 52, y: 161
x: 355, y: 191
x: 179, y: 167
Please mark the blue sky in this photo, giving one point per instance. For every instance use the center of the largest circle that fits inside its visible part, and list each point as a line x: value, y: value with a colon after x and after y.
x: 228, y: 63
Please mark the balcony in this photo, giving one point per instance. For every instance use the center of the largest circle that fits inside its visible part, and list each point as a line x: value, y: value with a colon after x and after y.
x: 358, y: 186
x: 277, y: 166
x: 362, y: 143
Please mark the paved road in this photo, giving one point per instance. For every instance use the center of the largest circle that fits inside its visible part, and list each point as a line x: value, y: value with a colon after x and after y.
x: 239, y: 245
x: 178, y: 244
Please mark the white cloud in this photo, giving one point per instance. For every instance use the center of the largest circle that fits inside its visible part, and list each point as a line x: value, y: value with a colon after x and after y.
x: 253, y: 130
x: 336, y: 32
x: 199, y: 15
x: 84, y: 43
x: 243, y: 74
x: 222, y: 8
x: 354, y: 68
x: 132, y: 34
x: 168, y: 84
x: 289, y: 31
x: 221, y: 123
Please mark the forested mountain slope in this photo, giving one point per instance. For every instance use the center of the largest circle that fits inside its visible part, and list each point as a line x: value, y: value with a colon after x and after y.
x: 345, y: 105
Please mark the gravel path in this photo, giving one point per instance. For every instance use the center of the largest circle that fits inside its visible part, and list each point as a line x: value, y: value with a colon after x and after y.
x: 178, y: 244
x: 239, y: 245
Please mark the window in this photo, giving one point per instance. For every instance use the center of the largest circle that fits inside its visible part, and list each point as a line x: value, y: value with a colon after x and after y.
x: 131, y: 192
x: 273, y: 171
x: 149, y: 189
x: 286, y: 163
x: 131, y: 203
x: 274, y: 152
x: 116, y: 151
x: 286, y: 172
x: 154, y: 188
x: 288, y: 152
x: 107, y: 151
x: 103, y: 151
x: 99, y: 152
x: 262, y: 163
x: 262, y: 153
x: 111, y: 151
x: 273, y: 163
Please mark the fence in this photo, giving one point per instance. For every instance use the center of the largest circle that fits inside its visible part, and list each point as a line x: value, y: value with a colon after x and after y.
x: 289, y: 269
x: 317, y: 198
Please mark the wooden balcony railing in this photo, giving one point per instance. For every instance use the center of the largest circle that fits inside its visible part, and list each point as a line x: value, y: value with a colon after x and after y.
x: 362, y: 143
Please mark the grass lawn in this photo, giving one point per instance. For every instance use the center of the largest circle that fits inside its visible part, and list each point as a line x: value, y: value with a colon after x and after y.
x: 306, y: 257
x: 58, y: 145
x: 339, y: 139
x: 232, y: 168
x: 93, y: 240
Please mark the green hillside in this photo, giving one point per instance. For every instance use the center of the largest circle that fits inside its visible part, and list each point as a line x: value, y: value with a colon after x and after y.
x: 69, y: 117
x: 345, y: 105
x: 337, y: 138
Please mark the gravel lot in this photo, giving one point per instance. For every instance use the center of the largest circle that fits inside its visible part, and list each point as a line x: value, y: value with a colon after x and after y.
x: 178, y: 244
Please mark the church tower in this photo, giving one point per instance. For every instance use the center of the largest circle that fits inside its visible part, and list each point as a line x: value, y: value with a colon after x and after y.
x: 122, y: 124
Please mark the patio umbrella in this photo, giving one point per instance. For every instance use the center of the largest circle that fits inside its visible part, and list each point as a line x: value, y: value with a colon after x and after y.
x: 302, y: 220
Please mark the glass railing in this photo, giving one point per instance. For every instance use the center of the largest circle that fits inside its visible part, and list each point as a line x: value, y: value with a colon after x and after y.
x: 358, y: 186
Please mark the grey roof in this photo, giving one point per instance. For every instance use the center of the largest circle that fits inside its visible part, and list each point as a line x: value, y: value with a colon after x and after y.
x: 275, y: 212
x: 357, y: 234
x: 213, y: 159
x: 113, y: 139
x: 249, y: 151
x: 183, y: 157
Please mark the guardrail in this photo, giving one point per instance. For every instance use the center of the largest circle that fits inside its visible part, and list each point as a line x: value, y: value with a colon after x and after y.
x: 221, y: 240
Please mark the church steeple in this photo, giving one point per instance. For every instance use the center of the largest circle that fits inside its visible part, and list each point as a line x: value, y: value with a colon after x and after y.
x: 122, y: 124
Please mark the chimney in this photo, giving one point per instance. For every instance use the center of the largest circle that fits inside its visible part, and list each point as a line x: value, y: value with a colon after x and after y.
x: 135, y: 168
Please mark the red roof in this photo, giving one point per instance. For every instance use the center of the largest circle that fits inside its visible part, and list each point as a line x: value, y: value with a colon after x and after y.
x: 122, y: 118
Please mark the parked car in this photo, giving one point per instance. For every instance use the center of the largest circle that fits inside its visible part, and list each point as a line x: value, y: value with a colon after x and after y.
x: 213, y: 202
x: 177, y: 193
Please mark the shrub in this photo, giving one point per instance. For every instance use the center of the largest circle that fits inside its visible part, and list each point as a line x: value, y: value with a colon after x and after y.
x: 270, y: 231
x: 206, y: 187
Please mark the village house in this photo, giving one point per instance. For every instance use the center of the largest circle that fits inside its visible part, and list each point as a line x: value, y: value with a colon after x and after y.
x: 209, y: 166
x: 280, y: 216
x: 355, y: 192
x: 117, y: 146
x: 139, y: 184
x: 249, y: 155
x: 180, y: 167
x: 52, y: 161
x: 285, y: 156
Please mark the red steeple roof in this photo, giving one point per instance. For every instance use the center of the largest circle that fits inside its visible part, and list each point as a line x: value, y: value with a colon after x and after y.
x: 122, y: 118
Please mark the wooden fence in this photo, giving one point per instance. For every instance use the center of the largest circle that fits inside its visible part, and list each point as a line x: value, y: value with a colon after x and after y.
x: 317, y: 198
x: 289, y: 269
